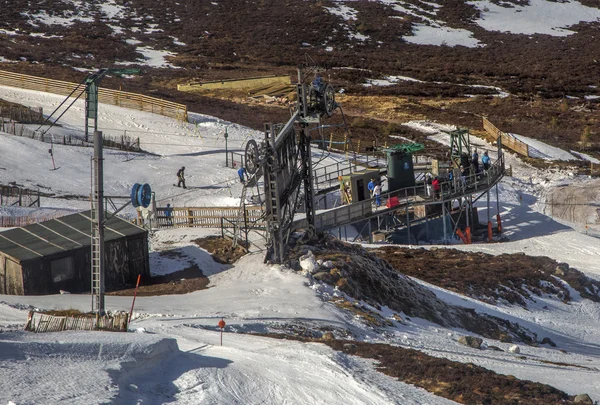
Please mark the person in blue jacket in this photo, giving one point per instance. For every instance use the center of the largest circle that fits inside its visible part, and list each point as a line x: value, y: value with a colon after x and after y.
x: 169, y: 214
x: 371, y: 187
x: 242, y: 173
x: 485, y: 159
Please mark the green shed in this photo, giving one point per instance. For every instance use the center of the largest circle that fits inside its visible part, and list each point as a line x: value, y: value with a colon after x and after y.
x: 400, y: 169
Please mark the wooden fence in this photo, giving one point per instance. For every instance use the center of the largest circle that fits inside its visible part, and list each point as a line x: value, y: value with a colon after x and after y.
x: 509, y: 141
x: 38, y: 322
x: 17, y: 196
x: 22, y: 114
x: 205, y: 217
x: 116, y: 142
x: 107, y: 96
x: 20, y: 221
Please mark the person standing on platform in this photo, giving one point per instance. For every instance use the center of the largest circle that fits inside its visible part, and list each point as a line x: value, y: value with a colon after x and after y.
x: 485, y: 159
x: 371, y: 187
x: 377, y: 194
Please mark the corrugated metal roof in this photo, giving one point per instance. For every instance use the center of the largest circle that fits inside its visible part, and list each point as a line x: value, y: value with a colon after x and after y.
x: 60, y: 235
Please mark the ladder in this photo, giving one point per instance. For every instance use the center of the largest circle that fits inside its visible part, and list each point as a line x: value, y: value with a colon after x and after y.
x: 95, y: 256
x: 97, y: 236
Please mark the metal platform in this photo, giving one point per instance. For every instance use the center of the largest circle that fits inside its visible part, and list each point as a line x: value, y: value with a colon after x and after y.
x: 407, y: 198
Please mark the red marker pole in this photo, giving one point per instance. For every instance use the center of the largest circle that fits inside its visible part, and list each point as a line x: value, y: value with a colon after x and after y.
x: 221, y: 325
x: 134, y: 295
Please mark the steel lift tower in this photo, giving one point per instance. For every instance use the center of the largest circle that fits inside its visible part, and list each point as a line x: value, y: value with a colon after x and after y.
x: 284, y: 159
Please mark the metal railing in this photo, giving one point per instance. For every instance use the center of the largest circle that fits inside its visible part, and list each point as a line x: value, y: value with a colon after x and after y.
x: 407, y: 197
x: 325, y: 176
x: 205, y: 217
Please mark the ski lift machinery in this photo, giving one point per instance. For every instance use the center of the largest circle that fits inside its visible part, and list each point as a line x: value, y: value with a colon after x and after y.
x: 284, y: 159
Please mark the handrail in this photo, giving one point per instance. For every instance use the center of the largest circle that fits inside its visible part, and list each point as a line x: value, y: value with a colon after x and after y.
x: 511, y: 142
x: 407, y: 197
x: 206, y: 217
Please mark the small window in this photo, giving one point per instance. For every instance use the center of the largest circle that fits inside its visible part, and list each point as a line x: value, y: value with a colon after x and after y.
x: 61, y: 269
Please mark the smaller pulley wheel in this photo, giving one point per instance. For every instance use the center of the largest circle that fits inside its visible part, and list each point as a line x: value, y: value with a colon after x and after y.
x: 328, y: 100
x: 251, y: 156
x: 144, y: 195
x: 134, y: 194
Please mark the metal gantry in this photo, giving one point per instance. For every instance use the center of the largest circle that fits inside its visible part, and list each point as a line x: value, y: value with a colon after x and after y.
x: 284, y: 157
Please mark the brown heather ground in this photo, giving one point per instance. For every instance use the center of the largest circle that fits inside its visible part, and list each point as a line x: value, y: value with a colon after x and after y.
x: 238, y: 38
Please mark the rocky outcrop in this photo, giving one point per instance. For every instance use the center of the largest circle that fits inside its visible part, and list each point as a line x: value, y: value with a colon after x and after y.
x: 362, y: 275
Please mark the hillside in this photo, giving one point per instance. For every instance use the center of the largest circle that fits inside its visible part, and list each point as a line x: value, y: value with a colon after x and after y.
x: 408, y: 50
x: 341, y: 322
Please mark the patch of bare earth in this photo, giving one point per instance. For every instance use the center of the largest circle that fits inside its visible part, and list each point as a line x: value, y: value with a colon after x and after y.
x: 179, y: 282
x: 462, y: 383
x: 459, y: 382
x: 506, y: 278
x: 221, y: 249
x: 190, y: 279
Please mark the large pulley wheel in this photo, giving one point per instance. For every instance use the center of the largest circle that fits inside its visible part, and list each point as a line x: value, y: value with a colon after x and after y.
x: 251, y: 156
x: 328, y: 100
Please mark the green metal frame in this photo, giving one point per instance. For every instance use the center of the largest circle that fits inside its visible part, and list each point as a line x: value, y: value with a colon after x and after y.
x: 459, y: 143
x: 405, y: 148
x: 91, y: 93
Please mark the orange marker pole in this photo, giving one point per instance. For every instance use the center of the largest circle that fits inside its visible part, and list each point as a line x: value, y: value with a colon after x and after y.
x: 499, y: 223
x: 134, y: 295
x: 489, y: 231
x: 221, y: 325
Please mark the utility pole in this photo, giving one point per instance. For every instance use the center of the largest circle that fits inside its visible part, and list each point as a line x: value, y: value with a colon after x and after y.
x: 98, y: 227
x: 226, y: 152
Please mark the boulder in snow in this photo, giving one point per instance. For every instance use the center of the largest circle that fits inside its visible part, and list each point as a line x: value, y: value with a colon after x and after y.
x: 308, y: 263
x: 325, y: 277
x: 514, y: 349
x: 328, y: 264
x: 548, y: 341
x: 561, y: 269
x: 471, y: 341
x: 583, y: 399
x: 328, y: 336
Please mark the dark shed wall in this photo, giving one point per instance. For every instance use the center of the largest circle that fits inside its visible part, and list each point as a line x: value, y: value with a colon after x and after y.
x: 37, y: 274
x: 11, y: 281
x: 139, y: 260
x: 125, y: 259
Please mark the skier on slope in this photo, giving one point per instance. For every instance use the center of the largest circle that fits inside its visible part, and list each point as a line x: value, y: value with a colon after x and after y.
x: 181, y: 177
